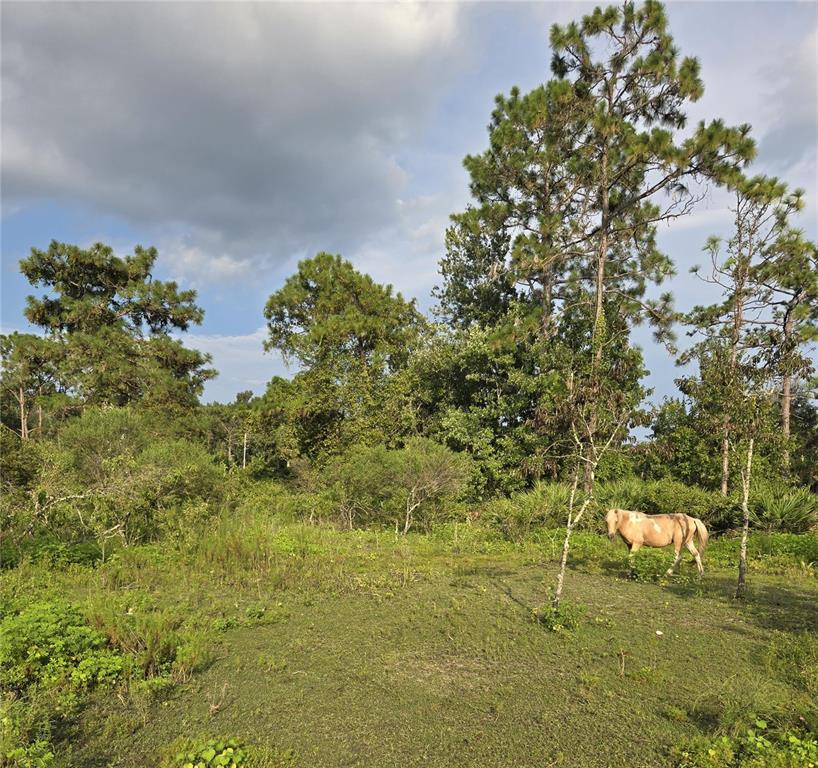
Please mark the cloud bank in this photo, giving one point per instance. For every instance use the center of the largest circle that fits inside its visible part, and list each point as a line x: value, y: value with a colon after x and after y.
x: 236, y: 132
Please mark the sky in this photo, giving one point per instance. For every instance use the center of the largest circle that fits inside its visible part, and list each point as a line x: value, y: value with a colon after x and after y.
x: 239, y: 138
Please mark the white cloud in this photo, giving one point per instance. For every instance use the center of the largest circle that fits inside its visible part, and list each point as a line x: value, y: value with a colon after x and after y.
x: 241, y: 362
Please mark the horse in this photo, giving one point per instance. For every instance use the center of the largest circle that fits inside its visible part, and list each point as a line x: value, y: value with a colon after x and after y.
x: 639, y: 529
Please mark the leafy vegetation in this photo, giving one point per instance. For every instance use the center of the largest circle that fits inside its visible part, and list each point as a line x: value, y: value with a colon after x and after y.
x: 353, y: 567
x: 757, y: 748
x: 209, y: 753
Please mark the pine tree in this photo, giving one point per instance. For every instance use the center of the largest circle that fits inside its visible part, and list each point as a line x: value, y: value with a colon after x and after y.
x: 578, y: 175
x: 113, y: 323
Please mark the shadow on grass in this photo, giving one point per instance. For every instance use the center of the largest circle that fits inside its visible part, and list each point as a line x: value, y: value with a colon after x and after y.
x: 527, y: 607
x: 790, y: 609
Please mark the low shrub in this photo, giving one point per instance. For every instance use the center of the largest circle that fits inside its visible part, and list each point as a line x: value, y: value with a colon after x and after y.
x: 756, y: 748
x: 795, y: 656
x: 545, y: 506
x: 568, y: 616
x: 402, y: 488
x: 111, y: 475
x: 51, y: 644
x: 651, y: 564
x: 767, y: 550
x: 777, y: 508
x: 207, y: 753
x: 155, y: 639
x: 50, y: 657
x: 669, y: 496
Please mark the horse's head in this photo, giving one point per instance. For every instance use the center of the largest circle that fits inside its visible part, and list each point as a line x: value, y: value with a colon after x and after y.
x: 612, y: 519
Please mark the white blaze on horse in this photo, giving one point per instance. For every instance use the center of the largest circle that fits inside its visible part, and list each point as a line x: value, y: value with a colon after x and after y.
x: 641, y: 530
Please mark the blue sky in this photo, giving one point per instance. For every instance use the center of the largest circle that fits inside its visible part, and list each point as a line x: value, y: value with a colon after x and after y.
x: 239, y: 138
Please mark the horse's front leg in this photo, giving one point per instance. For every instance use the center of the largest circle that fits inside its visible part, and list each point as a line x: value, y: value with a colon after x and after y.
x: 634, y: 548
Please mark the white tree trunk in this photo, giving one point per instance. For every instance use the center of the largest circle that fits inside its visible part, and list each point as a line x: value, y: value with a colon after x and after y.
x: 741, y: 587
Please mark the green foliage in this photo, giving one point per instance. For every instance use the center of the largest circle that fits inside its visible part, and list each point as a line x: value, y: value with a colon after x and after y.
x: 397, y: 488
x: 756, y: 748
x: 108, y: 324
x: 51, y: 644
x: 154, y: 639
x: 685, y: 443
x: 115, y: 473
x: 328, y: 309
x: 795, y: 656
x: 485, y: 393
x: 778, y: 508
x: 650, y: 564
x: 29, y: 381
x: 566, y: 617
x: 207, y: 753
x: 50, y: 658
x: 351, y: 335
x: 38, y: 754
x: 669, y: 496
x: 518, y: 517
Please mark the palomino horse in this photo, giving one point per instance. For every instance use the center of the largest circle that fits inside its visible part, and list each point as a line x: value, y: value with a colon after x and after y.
x: 639, y: 529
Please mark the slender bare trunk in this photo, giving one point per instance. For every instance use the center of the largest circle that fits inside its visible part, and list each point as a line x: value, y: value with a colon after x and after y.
x: 786, y: 405
x: 547, y: 298
x: 725, y: 458
x: 741, y: 587
x: 411, y: 505
x: 786, y: 391
x: 599, y: 330
x: 229, y: 449
x: 244, y: 453
x: 572, y: 521
x: 21, y: 399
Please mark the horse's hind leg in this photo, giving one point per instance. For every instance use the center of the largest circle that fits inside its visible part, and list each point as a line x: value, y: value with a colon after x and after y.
x: 677, y: 546
x: 691, y: 547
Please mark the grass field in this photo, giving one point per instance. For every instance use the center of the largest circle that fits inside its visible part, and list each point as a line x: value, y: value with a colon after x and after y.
x: 365, y: 650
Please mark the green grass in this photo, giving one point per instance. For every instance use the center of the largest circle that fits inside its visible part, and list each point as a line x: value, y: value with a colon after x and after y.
x: 319, y: 648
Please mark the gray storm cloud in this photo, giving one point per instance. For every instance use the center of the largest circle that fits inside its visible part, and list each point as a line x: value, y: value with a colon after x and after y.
x: 239, y: 128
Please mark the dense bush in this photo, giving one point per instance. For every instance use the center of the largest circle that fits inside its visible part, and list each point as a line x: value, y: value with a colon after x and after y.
x: 417, y: 484
x: 666, y: 496
x: 112, y: 474
x: 50, y: 657
x: 545, y: 506
x: 777, y: 508
x: 51, y: 644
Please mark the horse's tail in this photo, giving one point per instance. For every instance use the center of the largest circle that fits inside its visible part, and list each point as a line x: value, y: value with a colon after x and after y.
x: 703, y: 535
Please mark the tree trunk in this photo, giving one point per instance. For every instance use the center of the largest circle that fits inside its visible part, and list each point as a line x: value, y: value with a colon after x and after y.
x: 21, y: 399
x: 598, y: 333
x: 786, y: 391
x: 547, y: 298
x: 244, y: 453
x: 786, y: 404
x: 563, y: 563
x: 741, y: 587
x: 572, y: 521
x: 725, y: 458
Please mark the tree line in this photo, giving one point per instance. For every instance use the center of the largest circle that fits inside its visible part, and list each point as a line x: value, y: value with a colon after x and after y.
x: 528, y: 366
